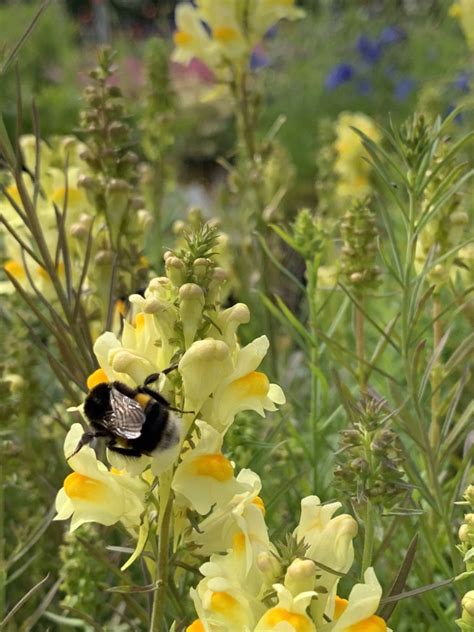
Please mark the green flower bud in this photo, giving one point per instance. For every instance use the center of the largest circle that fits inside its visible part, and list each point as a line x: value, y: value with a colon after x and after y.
x: 191, y: 305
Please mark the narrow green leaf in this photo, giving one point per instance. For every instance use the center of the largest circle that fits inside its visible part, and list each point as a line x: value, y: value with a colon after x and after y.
x: 400, y: 580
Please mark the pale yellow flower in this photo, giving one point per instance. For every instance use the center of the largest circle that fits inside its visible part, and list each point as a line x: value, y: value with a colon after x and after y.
x: 357, y: 614
x: 463, y: 10
x: 289, y: 615
x: 92, y: 493
x: 191, y: 38
x: 351, y: 165
x: 243, y: 388
x: 205, y: 476
x: 330, y: 543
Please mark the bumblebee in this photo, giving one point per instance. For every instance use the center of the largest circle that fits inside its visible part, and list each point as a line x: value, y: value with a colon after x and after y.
x: 133, y: 421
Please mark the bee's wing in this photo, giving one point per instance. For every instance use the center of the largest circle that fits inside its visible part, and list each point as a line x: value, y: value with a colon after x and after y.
x: 126, y: 417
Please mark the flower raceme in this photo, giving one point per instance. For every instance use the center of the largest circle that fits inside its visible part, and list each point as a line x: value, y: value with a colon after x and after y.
x: 351, y: 165
x: 223, y: 33
x: 215, y: 509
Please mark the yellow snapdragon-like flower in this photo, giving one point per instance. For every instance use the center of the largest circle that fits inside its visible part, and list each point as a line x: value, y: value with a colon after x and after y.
x: 243, y: 513
x: 357, y: 614
x: 351, y: 165
x: 245, y: 388
x: 205, y: 476
x: 233, y: 30
x: 289, y: 615
x: 92, y: 493
x: 463, y: 10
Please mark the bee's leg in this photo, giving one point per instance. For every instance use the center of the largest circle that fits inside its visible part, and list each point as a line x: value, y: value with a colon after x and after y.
x: 86, y: 438
x: 154, y: 376
x: 161, y: 400
x: 154, y: 394
x: 133, y: 452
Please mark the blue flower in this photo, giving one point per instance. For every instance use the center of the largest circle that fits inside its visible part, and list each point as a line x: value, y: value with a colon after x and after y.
x: 364, y: 87
x: 403, y: 88
x: 392, y: 35
x: 338, y: 75
x: 369, y: 50
x: 258, y: 58
x: 462, y: 82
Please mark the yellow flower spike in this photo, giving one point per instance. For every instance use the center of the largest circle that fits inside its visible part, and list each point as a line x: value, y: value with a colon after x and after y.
x: 98, y: 377
x: 225, y: 34
x: 196, y: 626
x: 214, y: 465
x: 372, y: 624
x: 15, y: 269
x: 277, y: 615
x: 80, y: 487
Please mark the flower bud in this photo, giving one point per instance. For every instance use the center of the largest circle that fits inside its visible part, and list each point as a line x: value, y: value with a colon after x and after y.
x: 219, y: 277
x: 300, y: 576
x: 179, y: 227
x: 87, y: 182
x: 117, y: 194
x: 200, y: 267
x: 467, y: 604
x: 269, y: 566
x: 134, y: 365
x: 464, y: 533
x: 175, y: 270
x: 79, y: 231
x: 144, y: 219
x: 104, y: 257
x: 190, y: 310
x: 469, y: 495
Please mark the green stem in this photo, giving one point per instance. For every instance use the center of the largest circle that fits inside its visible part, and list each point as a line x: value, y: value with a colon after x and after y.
x: 3, y: 564
x: 312, y: 272
x: 251, y: 173
x: 369, y: 527
x: 161, y: 575
x: 360, y: 345
x: 436, y: 375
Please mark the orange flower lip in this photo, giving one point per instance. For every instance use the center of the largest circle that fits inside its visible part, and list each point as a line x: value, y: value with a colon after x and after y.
x: 225, y: 34
x: 214, y: 465
x: 181, y: 38
x: 98, y: 377
x: 254, y: 384
x: 80, y: 487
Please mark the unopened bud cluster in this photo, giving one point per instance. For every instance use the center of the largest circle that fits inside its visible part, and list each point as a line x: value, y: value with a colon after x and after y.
x: 466, y: 547
x: 198, y: 279
x: 415, y: 138
x: 370, y: 457
x: 309, y: 234
x: 359, y: 233
x: 111, y: 183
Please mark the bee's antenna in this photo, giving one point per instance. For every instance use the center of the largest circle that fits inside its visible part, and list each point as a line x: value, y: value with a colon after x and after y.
x: 86, y: 438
